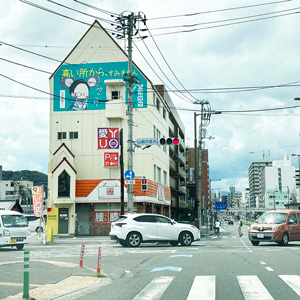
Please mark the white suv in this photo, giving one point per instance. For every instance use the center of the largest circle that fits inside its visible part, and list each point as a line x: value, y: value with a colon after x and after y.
x: 132, y: 229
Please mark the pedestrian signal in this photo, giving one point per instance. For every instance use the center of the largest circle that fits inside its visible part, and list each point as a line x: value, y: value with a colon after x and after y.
x: 169, y: 141
x: 144, y: 184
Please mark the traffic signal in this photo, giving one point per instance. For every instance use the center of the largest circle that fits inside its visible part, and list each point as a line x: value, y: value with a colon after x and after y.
x: 144, y: 184
x: 169, y: 141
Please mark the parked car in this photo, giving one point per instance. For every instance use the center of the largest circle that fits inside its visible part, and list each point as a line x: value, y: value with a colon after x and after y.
x: 14, y: 229
x: 35, y: 223
x: 279, y: 226
x: 230, y: 222
x: 133, y: 229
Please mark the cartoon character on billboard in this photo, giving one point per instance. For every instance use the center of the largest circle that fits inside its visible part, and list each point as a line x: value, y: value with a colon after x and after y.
x: 80, y: 90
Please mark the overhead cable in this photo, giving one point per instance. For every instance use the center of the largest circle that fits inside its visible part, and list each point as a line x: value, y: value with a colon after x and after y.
x: 218, y: 10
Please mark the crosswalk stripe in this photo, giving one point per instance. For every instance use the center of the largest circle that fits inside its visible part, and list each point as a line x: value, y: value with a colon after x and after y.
x: 155, y: 288
x: 203, y: 288
x: 253, y: 289
x: 292, y: 281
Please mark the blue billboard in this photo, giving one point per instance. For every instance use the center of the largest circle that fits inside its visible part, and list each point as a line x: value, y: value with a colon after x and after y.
x: 79, y: 87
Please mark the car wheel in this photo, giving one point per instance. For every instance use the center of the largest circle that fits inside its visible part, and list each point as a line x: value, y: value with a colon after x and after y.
x: 20, y: 246
x: 254, y: 243
x: 285, y: 239
x: 185, y: 239
x: 123, y: 243
x: 174, y: 243
x: 133, y: 239
x: 39, y: 229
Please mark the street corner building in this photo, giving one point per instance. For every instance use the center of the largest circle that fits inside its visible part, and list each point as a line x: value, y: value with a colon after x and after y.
x: 88, y: 112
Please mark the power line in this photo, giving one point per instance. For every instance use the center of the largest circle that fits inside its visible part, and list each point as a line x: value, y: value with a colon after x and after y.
x: 59, y: 14
x: 222, y: 25
x: 188, y: 100
x: 86, y: 14
x: 112, y: 14
x: 12, y: 62
x: 226, y: 20
x: 219, y: 10
x: 169, y: 65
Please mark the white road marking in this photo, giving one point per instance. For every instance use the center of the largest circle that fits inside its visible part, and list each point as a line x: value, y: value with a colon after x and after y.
x: 203, y: 288
x: 269, y: 269
x: 292, y: 281
x: 154, y: 289
x: 262, y: 263
x: 247, y: 247
x: 253, y: 289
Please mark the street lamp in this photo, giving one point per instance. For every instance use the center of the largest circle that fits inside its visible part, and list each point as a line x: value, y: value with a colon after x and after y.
x: 298, y: 168
x: 247, y: 205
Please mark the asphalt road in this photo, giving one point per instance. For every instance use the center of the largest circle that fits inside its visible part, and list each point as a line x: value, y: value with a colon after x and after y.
x: 225, y: 267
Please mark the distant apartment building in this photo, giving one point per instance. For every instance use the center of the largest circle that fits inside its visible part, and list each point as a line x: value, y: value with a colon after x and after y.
x: 254, y: 176
x: 278, y: 184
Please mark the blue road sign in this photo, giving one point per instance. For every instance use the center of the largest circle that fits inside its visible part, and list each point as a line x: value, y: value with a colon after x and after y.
x: 129, y: 174
x: 220, y: 205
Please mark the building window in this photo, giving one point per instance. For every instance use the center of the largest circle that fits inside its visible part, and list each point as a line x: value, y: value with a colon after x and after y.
x: 158, y: 137
x: 165, y: 178
x: 157, y: 104
x: 61, y: 135
x: 115, y: 95
x: 154, y: 172
x: 154, y: 132
x: 164, y: 113
x: 73, y: 135
x: 9, y: 193
x: 158, y: 174
x: 64, y: 184
x: 154, y: 102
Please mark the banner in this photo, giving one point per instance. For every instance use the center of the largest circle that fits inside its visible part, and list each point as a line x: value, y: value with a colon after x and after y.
x: 37, y: 200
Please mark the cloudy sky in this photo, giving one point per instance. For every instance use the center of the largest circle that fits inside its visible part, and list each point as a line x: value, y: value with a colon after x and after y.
x: 241, y: 56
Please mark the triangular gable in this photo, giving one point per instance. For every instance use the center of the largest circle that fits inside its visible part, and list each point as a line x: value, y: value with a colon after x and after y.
x: 65, y: 146
x: 96, y: 23
x: 64, y: 160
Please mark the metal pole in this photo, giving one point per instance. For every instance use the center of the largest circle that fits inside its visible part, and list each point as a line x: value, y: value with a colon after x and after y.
x: 200, y: 165
x: 196, y: 166
x: 26, y: 275
x: 122, y: 171
x: 130, y: 112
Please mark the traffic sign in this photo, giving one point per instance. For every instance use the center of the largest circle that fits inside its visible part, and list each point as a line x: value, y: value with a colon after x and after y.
x: 220, y: 205
x: 111, y: 159
x: 147, y: 141
x: 129, y: 175
x: 129, y: 181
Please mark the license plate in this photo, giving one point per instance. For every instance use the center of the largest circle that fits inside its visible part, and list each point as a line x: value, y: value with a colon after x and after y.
x: 260, y: 236
x: 12, y: 241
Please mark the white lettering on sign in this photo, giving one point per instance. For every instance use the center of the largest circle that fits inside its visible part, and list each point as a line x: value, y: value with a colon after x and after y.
x: 140, y: 96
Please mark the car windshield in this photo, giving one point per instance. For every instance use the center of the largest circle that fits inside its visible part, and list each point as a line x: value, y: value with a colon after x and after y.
x: 14, y: 221
x: 272, y: 218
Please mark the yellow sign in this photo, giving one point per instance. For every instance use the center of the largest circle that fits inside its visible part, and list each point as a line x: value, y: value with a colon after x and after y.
x: 52, y: 221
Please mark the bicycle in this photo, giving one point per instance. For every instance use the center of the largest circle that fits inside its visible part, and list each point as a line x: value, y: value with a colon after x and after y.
x: 217, y: 231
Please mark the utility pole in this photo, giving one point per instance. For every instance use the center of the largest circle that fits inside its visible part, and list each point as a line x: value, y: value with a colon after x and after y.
x: 205, y: 120
x: 128, y: 23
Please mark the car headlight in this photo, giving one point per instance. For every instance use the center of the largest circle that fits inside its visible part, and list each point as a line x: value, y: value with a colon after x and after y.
x: 276, y: 227
x: 28, y: 231
x: 251, y: 227
x: 6, y: 232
